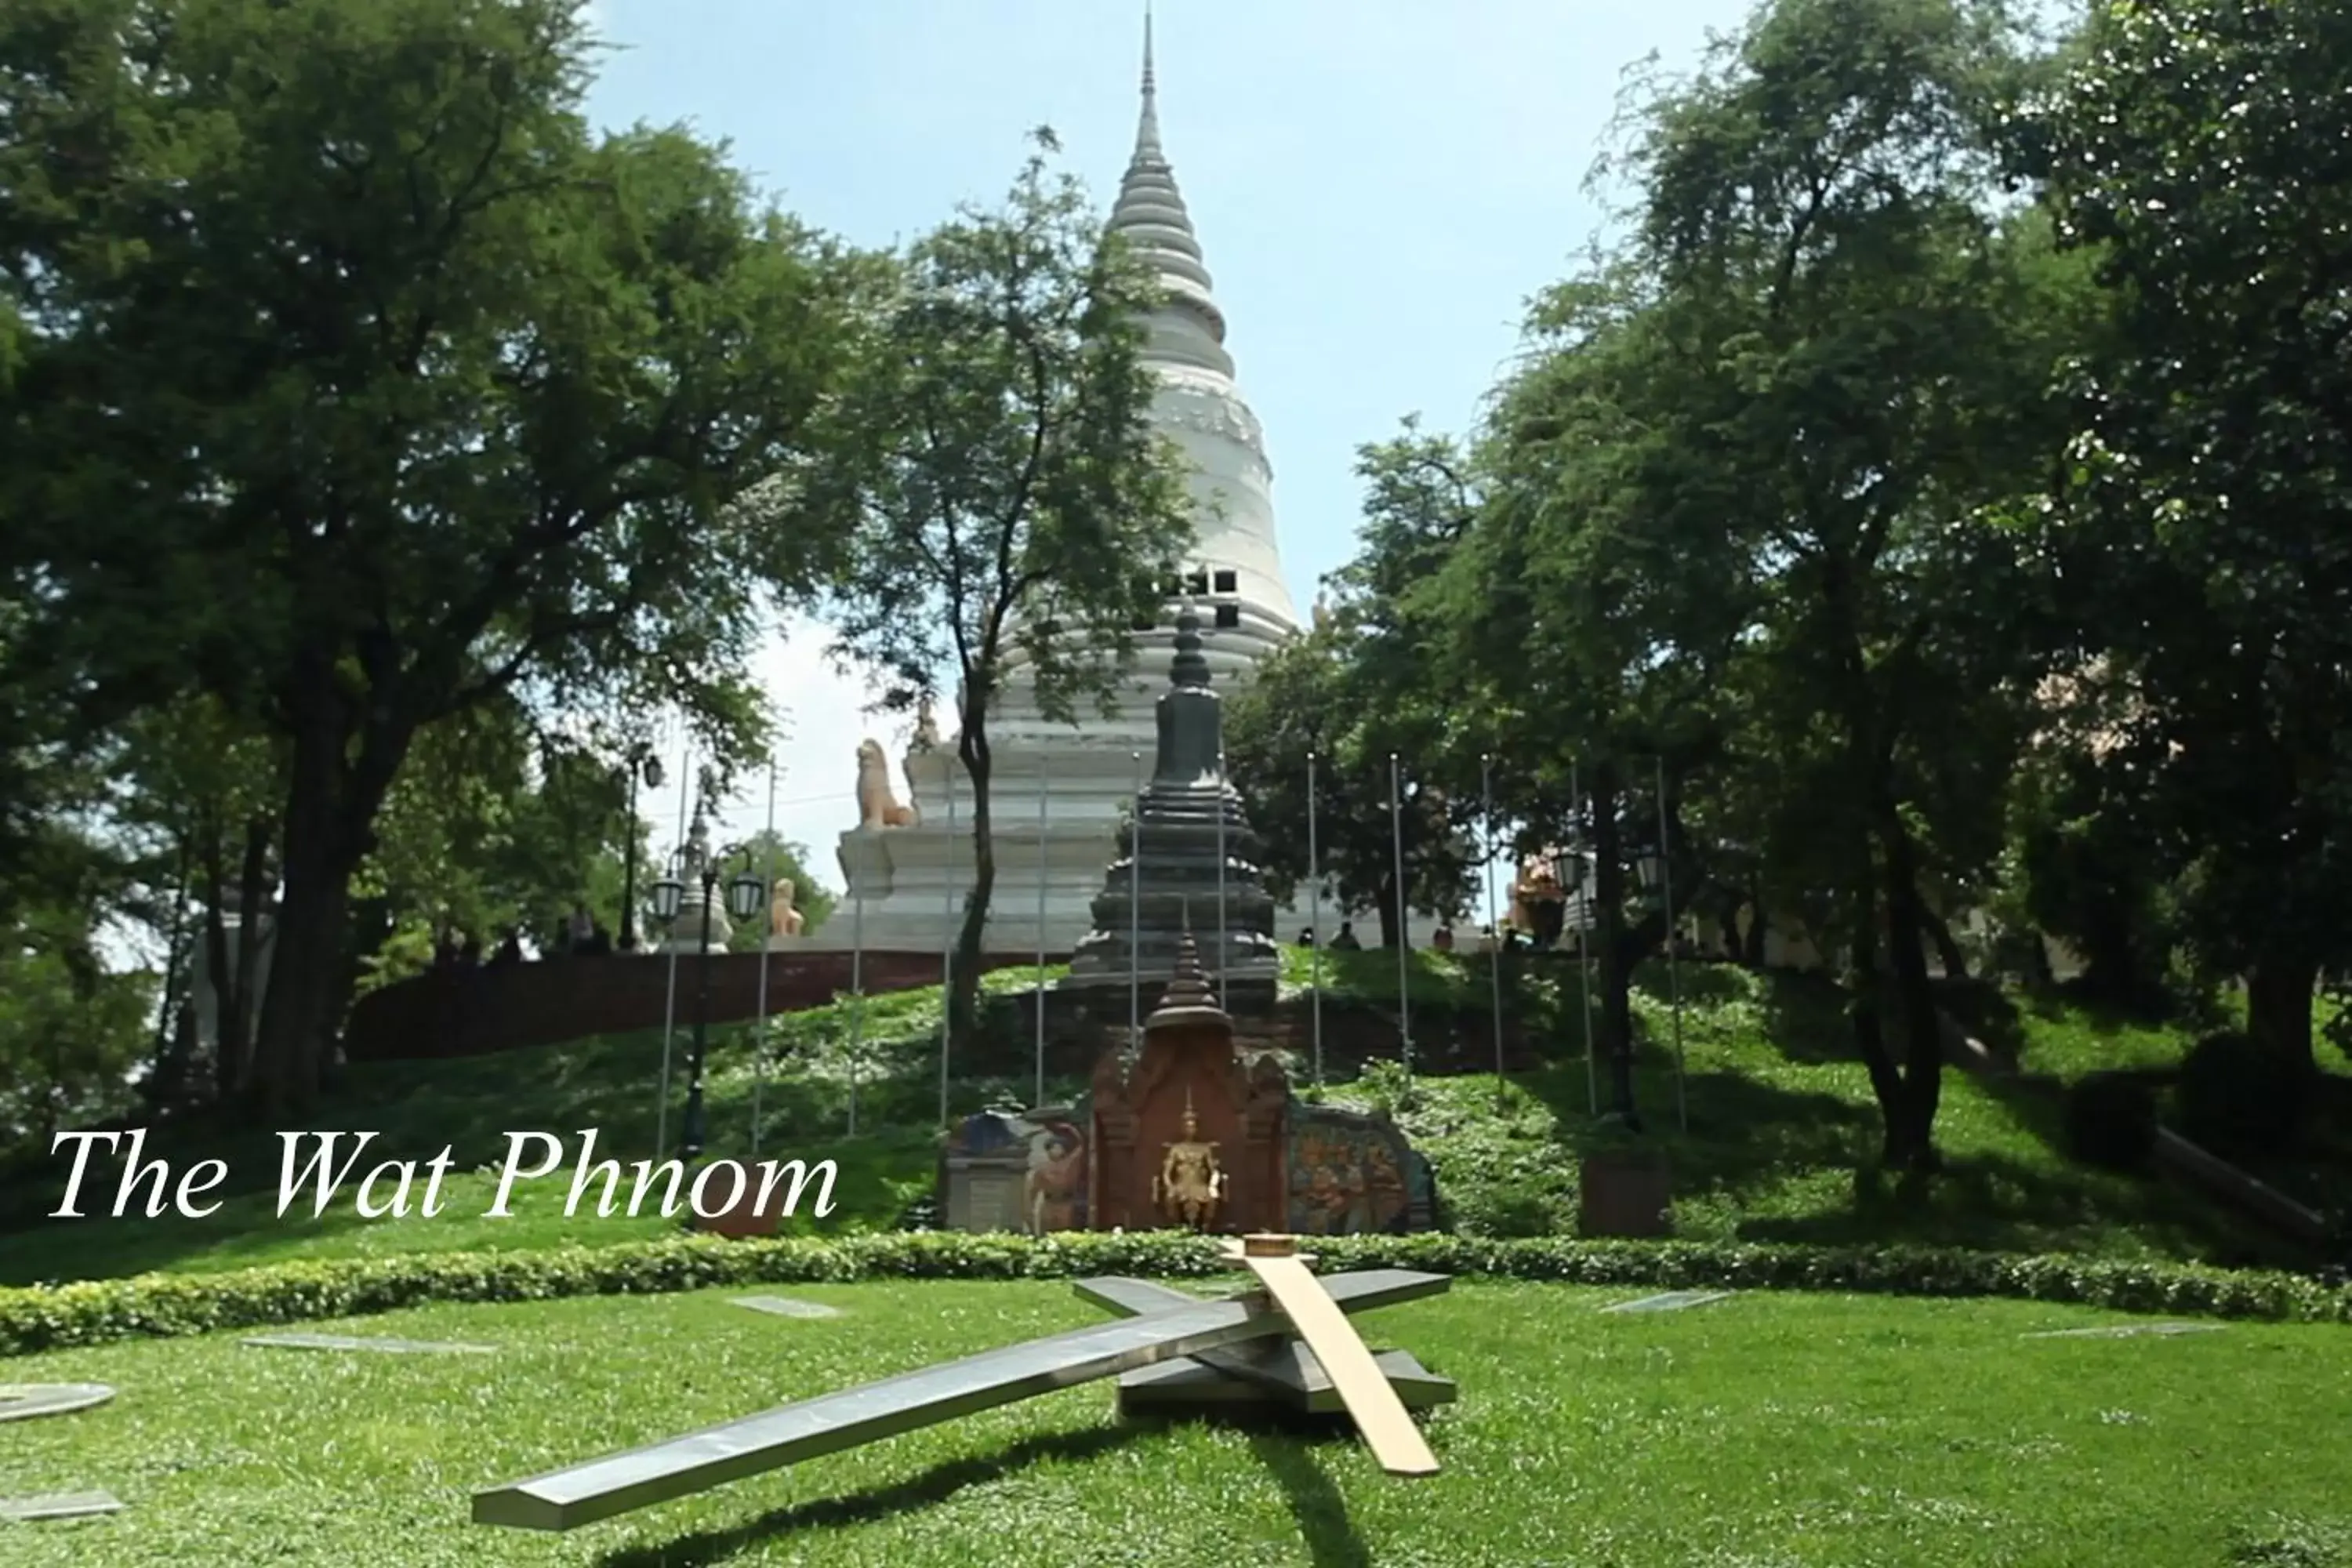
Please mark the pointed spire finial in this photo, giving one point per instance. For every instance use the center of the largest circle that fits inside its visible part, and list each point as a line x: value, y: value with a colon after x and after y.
x: 1147, y: 131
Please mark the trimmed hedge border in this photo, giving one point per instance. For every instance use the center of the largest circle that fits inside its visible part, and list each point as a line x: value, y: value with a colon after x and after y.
x: 100, y: 1312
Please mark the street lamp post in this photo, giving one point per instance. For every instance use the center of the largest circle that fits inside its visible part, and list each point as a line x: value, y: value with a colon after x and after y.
x: 745, y: 895
x: 642, y: 764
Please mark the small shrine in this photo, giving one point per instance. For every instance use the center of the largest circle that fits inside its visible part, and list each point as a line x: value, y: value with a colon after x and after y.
x: 1186, y: 1132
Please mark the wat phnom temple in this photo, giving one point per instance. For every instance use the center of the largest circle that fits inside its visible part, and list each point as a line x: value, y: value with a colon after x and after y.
x: 1059, y: 790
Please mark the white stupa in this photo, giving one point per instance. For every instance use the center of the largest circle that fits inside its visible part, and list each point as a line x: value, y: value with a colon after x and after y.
x: 1058, y: 790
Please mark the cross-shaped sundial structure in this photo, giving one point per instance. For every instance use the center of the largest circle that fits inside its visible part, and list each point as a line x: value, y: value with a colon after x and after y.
x: 1288, y: 1341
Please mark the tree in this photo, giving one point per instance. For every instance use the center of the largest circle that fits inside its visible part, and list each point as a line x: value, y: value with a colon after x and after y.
x: 779, y: 859
x: 1585, y: 612
x: 2200, y: 154
x: 359, y: 385
x: 1309, y: 700
x: 1821, y: 210
x: 1360, y: 689
x: 1010, y: 504
x: 71, y: 1032
x: 493, y: 824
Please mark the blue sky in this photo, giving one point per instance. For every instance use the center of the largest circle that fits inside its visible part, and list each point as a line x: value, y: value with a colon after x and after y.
x: 1378, y: 184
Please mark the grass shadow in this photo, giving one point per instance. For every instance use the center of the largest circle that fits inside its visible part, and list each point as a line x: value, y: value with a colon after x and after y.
x: 1284, y: 1441
x: 935, y: 1485
x: 1805, y: 1018
x: 1315, y: 1502
x: 1741, y: 1128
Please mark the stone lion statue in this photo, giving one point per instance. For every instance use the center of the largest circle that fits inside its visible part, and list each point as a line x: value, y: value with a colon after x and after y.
x: 877, y: 802
x: 784, y: 919
x: 1538, y: 883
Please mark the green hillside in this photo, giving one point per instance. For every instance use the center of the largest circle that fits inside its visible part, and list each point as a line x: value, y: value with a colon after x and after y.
x: 1781, y: 1129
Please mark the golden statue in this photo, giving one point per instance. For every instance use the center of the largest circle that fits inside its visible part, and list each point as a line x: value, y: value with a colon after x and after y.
x: 1191, y: 1185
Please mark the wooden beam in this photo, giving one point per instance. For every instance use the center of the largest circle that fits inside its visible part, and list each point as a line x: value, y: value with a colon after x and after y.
x: 1388, y: 1427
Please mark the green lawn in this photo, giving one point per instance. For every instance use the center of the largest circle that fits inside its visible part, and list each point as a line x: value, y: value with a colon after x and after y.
x: 1763, y: 1430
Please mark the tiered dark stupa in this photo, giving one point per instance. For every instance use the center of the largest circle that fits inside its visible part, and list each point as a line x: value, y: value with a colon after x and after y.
x: 1186, y: 813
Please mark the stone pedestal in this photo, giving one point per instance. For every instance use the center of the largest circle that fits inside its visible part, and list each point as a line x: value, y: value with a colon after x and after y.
x: 1626, y: 1193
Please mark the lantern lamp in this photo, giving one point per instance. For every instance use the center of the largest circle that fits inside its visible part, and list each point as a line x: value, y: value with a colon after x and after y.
x: 670, y: 897
x: 745, y: 894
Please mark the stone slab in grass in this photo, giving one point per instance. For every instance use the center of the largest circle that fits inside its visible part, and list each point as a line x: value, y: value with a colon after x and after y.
x: 1670, y: 1302
x: 787, y: 1306
x: 20, y: 1401
x: 2126, y: 1330
x: 355, y: 1343
x: 59, y: 1505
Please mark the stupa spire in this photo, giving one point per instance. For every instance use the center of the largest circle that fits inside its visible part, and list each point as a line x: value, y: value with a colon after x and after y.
x: 1147, y: 129
x: 1150, y: 216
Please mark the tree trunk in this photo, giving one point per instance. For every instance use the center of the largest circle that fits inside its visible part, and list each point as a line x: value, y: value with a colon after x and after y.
x: 312, y: 909
x: 231, y: 975
x: 963, y: 988
x: 339, y: 774
x: 1923, y: 1076
x: 237, y: 1016
x: 2111, y: 967
x: 1616, y: 1042
x: 1759, y: 927
x: 165, y: 1081
x: 1948, y: 955
x: 1862, y: 1015
x: 1387, y: 906
x: 2279, y: 989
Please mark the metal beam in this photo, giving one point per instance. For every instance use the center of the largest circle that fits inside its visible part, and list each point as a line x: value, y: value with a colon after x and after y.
x: 637, y: 1478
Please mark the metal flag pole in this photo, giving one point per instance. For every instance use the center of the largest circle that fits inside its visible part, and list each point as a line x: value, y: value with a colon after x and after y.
x: 1315, y: 919
x: 1495, y: 957
x: 669, y: 1005
x: 947, y: 944
x: 1674, y: 959
x: 1135, y: 907
x: 766, y: 957
x: 858, y: 998
x: 1584, y: 896
x: 1044, y: 785
x: 1222, y: 1000
x: 1405, y: 987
